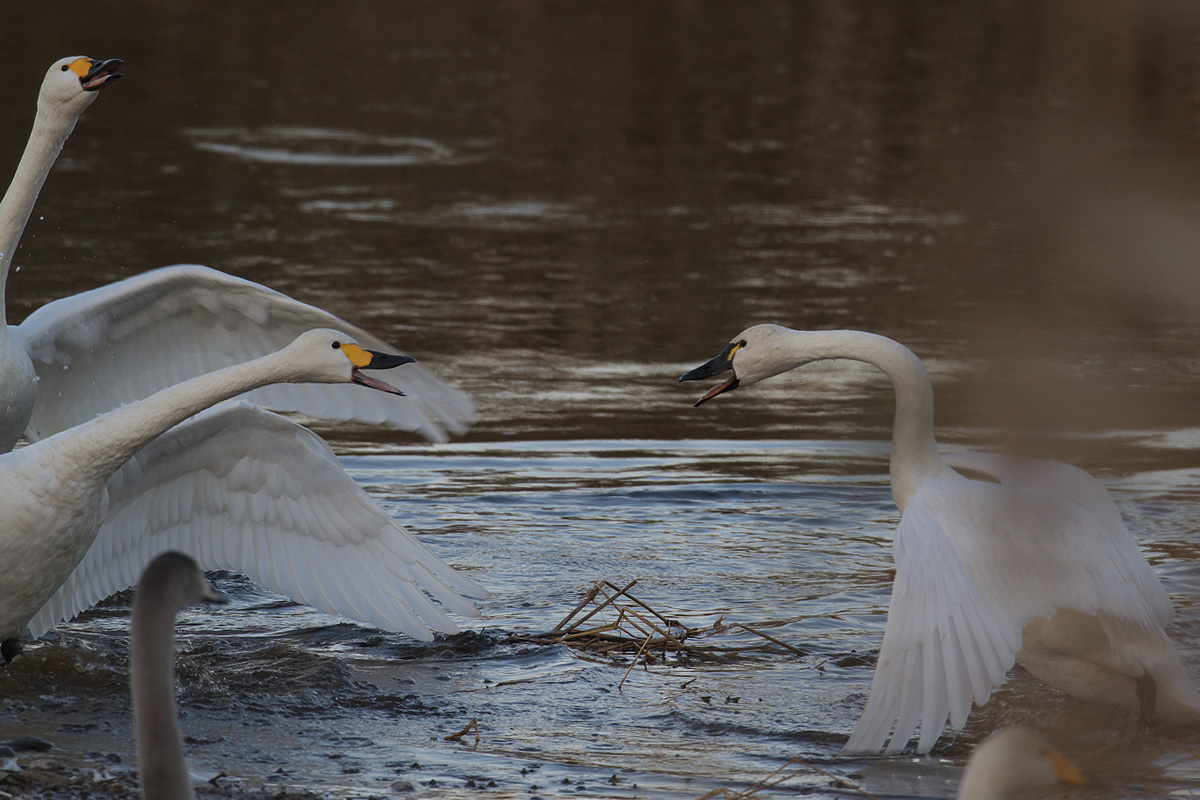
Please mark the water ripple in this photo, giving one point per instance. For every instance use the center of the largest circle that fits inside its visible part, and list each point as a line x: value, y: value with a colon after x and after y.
x: 318, y: 147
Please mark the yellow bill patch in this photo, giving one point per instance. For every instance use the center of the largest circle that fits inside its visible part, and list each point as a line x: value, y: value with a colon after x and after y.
x: 1066, y: 770
x: 81, y: 66
x: 358, y: 356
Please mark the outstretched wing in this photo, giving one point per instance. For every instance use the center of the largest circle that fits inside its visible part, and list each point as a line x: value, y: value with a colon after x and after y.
x: 243, y: 489
x: 96, y: 350
x: 976, y: 562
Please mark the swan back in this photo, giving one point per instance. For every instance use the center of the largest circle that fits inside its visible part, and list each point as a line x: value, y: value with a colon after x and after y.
x: 1012, y: 762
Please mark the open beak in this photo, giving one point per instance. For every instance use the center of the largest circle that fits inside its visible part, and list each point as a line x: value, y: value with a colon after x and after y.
x: 101, y: 74
x: 370, y: 359
x: 714, y: 366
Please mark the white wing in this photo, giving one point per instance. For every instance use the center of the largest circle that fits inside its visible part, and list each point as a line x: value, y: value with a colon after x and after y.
x: 96, y: 350
x: 976, y: 562
x: 242, y: 489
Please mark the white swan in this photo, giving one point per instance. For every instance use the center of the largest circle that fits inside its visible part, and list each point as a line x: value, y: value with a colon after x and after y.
x: 83, y: 355
x: 86, y: 354
x: 170, y: 583
x: 68, y: 89
x: 1013, y: 762
x: 325, y: 543
x: 1033, y: 564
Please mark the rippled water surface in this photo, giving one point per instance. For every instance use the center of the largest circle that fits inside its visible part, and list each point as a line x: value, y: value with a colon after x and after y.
x: 561, y: 207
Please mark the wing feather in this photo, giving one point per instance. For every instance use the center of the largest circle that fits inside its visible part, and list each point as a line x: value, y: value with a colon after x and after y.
x: 975, y: 563
x: 314, y: 536
x: 99, y: 349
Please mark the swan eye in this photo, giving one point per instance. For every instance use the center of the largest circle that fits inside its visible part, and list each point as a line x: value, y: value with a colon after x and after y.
x: 337, y: 345
x: 66, y: 67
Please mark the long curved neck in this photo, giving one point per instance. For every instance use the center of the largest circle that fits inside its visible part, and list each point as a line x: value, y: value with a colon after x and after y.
x: 50, y: 132
x: 101, y: 446
x: 914, y: 449
x: 160, y: 746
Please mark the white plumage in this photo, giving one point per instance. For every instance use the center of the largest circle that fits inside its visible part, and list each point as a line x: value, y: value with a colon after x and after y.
x: 203, y: 488
x: 1015, y: 762
x: 245, y: 496
x: 1031, y: 565
x: 98, y: 349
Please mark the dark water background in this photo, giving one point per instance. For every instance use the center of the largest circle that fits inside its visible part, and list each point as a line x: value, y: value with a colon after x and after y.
x: 560, y: 206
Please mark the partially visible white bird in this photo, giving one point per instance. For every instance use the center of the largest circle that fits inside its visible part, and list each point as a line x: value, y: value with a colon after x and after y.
x: 86, y: 354
x: 323, y: 542
x: 170, y: 583
x: 1013, y: 762
x: 1031, y: 564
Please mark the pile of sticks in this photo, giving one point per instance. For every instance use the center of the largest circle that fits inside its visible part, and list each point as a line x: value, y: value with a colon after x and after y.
x: 611, y: 623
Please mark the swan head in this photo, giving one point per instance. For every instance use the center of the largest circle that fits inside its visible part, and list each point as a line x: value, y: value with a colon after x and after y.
x: 71, y: 83
x: 329, y: 356
x: 173, y: 581
x: 1012, y: 762
x: 753, y: 355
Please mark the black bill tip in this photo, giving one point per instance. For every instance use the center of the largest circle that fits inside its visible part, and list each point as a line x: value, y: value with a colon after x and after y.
x: 387, y: 360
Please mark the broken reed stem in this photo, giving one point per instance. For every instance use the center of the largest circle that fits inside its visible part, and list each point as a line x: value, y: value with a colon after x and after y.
x: 587, y: 598
x: 474, y: 723
x: 591, y: 632
x: 771, y: 639
x: 634, y: 664
x: 607, y: 602
x: 625, y: 592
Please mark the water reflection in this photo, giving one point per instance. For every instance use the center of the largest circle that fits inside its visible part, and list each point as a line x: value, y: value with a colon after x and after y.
x: 317, y: 147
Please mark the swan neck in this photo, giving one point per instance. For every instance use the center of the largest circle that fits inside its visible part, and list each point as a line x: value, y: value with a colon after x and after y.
x: 104, y: 444
x: 164, y: 774
x: 914, y: 455
x: 50, y: 132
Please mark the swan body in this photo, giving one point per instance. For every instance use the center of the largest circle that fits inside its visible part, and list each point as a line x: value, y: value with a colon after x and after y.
x: 1013, y: 762
x: 169, y: 584
x: 54, y: 498
x: 1030, y: 565
x: 86, y: 354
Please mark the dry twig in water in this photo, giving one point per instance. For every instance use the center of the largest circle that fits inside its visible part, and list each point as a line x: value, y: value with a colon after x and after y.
x: 457, y: 737
x: 641, y: 631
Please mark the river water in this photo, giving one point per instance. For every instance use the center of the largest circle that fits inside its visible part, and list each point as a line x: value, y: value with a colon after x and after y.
x: 560, y: 207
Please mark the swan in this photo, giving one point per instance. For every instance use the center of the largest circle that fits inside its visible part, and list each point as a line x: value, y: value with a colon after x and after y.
x: 70, y: 86
x: 1029, y: 563
x: 82, y: 355
x: 169, y: 584
x: 323, y: 543
x: 1013, y: 762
